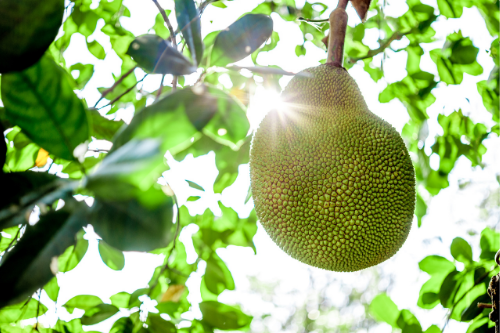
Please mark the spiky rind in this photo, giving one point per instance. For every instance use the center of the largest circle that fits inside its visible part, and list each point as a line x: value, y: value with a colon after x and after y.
x: 333, y: 184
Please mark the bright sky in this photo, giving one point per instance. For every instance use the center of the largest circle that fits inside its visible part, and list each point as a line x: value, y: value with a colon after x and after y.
x: 452, y: 210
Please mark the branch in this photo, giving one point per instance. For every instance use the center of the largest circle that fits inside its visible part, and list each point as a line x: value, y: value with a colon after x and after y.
x: 311, y: 20
x: 126, y: 92
x: 167, y: 21
x: 110, y: 89
x: 172, y: 39
x: 158, y: 93
x: 385, y: 44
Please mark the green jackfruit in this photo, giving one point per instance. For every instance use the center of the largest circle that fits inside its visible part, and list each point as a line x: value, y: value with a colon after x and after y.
x: 333, y: 184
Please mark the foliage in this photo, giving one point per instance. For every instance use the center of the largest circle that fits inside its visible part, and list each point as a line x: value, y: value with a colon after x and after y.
x: 45, y: 121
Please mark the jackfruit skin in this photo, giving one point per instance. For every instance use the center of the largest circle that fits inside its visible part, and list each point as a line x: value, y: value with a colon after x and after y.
x: 333, y: 184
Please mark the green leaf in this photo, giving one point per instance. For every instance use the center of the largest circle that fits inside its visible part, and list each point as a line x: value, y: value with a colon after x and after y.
x: 157, y: 324
x: 436, y: 265
x: 112, y: 257
x: 217, y: 276
x: 155, y: 55
x: 222, y: 316
x: 98, y: 313
x: 490, y: 243
x: 408, y: 322
x: 450, y: 8
x: 193, y: 198
x: 433, y: 329
x: 73, y: 326
x: 383, y: 309
x: 83, y: 302
x: 41, y: 101
x: 229, y: 125
x: 129, y: 226
x: 129, y: 173
x: 73, y: 254
x: 85, y: 72
x: 52, y: 289
x: 188, y: 18
x: 174, y: 119
x: 122, y: 325
x: 28, y: 266
x: 134, y: 298
x: 420, y: 209
x: 120, y: 300
x: 96, y: 49
x: 461, y: 250
x: 195, y: 186
x: 26, y: 30
x: 449, y: 288
x: 3, y: 148
x: 159, y: 26
x: 102, y: 127
x: 21, y: 311
x: 241, y: 39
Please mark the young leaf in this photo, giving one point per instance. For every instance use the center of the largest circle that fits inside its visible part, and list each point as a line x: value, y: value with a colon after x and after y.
x: 96, y: 49
x: 194, y: 185
x: 52, y: 289
x: 224, y: 317
x: 112, y: 257
x: 120, y: 300
x: 85, y: 72
x: 188, y: 18
x: 27, y: 29
x: 98, y: 313
x: 83, y: 302
x: 461, y: 250
x: 193, y: 198
x: 41, y: 101
x: 73, y: 254
x: 122, y: 325
x: 240, y: 39
x: 217, y: 276
x: 29, y: 265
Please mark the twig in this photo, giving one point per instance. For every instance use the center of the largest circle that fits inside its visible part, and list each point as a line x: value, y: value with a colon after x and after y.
x: 385, y: 44
x: 38, y: 309
x: 110, y: 89
x: 166, y: 267
x: 312, y: 20
x: 97, y: 150
x: 484, y: 306
x: 158, y: 93
x: 167, y: 21
x: 172, y: 40
x: 126, y: 92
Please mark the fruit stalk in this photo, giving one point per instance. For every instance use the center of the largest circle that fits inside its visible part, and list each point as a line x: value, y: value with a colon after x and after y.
x: 338, y: 26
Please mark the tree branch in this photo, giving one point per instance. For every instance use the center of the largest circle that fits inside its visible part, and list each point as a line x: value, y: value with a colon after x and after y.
x: 312, y: 20
x: 172, y: 37
x: 385, y: 44
x: 123, y: 94
x: 110, y: 89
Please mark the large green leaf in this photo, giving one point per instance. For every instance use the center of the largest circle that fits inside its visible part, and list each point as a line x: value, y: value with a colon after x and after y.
x: 174, y: 119
x: 155, y: 55
x: 41, y: 101
x: 129, y: 226
x: 241, y: 38
x: 27, y: 28
x: 129, y: 172
x: 223, y: 317
x: 29, y: 265
x: 188, y: 19
x: 384, y: 309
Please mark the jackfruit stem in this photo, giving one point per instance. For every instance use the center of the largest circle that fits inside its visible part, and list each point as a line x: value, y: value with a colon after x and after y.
x: 338, y: 26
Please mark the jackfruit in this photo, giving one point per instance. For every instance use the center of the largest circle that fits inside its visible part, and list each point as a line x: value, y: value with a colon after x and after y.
x: 333, y: 184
